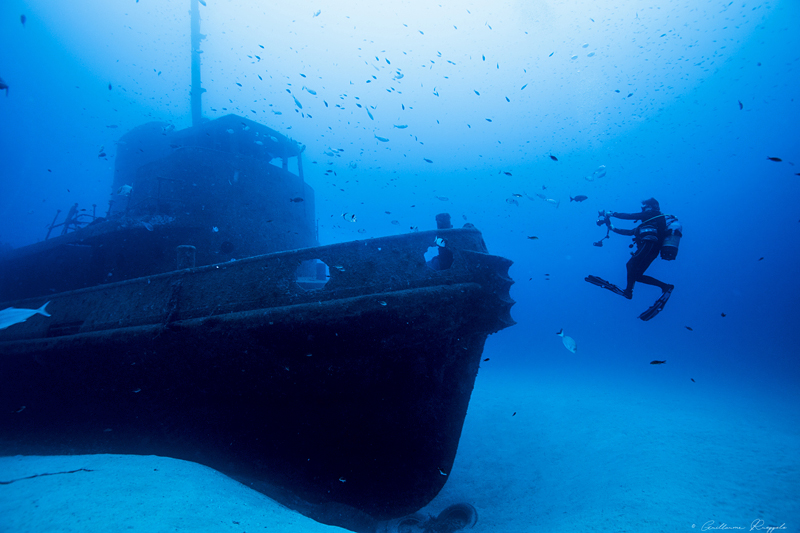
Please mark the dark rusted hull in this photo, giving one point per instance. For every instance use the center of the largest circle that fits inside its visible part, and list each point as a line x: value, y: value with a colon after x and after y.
x: 345, y: 403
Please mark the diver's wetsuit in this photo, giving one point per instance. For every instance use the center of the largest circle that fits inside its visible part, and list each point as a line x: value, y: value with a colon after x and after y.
x: 648, y: 237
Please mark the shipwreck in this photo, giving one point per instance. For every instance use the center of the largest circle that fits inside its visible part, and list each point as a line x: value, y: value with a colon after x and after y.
x: 200, y: 319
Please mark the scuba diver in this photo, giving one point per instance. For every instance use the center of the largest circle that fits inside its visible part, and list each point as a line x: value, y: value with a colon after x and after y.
x: 657, y: 233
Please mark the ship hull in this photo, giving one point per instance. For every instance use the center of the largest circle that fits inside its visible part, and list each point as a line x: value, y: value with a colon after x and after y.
x: 345, y: 402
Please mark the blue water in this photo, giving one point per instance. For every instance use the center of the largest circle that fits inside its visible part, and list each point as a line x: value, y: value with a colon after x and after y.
x: 684, y: 102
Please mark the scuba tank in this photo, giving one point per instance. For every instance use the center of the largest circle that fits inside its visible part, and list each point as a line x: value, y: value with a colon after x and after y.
x: 672, y: 239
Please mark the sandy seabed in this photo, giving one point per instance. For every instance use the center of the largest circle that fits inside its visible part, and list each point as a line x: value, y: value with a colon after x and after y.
x: 535, y: 455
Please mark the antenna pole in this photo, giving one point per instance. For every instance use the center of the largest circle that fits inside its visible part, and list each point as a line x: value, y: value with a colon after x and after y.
x: 197, y: 91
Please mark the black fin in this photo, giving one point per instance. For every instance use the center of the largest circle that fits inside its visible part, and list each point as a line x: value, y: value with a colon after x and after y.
x: 657, y: 307
x: 600, y: 282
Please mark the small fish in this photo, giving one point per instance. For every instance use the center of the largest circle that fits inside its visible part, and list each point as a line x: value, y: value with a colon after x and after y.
x: 443, y: 198
x: 760, y: 258
x: 296, y: 199
x: 145, y: 225
x: 658, y: 362
x: 125, y: 190
x: 523, y: 87
x: 370, y: 114
x: 533, y: 238
x: 723, y: 315
x: 12, y: 315
x: 506, y: 173
x: 297, y: 102
x: 693, y: 381
x: 512, y: 201
x: 309, y: 91
x: 741, y: 106
x: 689, y: 328
x: 569, y: 342
x: 515, y: 195
x: 239, y: 84
x: 109, y: 86
x: 401, y: 126
x: 3, y: 85
x: 554, y: 158
x: 349, y: 217
x: 507, y: 100
x: 776, y: 159
x: 101, y: 154
x: 599, y: 172
x: 381, y: 139
x: 23, y: 19
x: 485, y: 359
x: 427, y: 160
x: 476, y: 92
x: 578, y: 198
x: 316, y: 14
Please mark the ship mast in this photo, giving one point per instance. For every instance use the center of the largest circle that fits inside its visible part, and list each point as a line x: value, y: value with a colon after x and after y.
x: 197, y: 91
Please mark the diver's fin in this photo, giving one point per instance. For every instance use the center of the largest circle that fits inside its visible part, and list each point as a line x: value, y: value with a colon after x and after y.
x: 658, y: 306
x: 600, y: 282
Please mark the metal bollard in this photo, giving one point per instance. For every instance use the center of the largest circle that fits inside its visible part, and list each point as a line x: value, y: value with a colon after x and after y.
x: 186, y: 256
